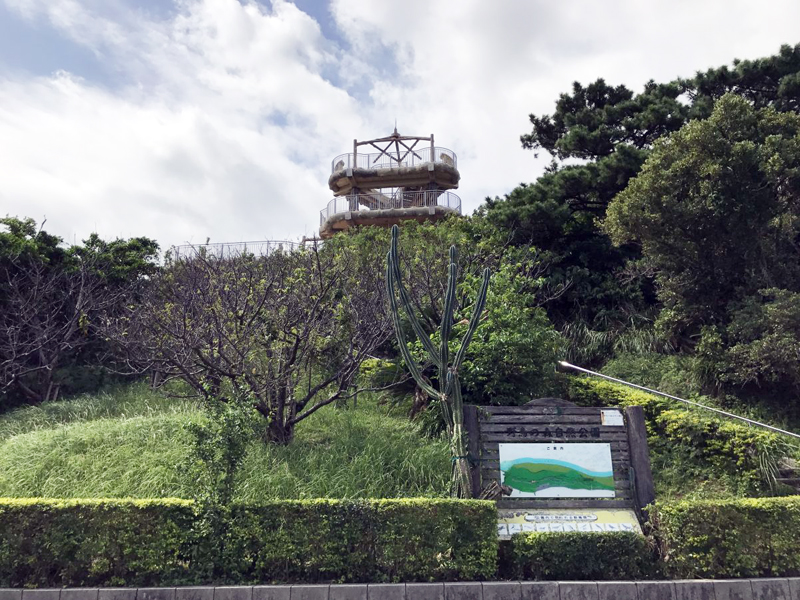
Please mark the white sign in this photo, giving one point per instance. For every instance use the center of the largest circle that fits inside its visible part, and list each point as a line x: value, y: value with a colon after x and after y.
x: 611, y: 418
x: 557, y: 470
x: 554, y: 520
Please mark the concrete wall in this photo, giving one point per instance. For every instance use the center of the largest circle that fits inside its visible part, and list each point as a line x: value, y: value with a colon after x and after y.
x: 733, y: 589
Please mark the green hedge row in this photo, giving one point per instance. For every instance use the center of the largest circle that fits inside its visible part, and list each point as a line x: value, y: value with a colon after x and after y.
x: 753, y: 537
x: 162, y: 542
x: 579, y: 556
x: 52, y: 543
x: 724, y: 447
x: 46, y: 543
x: 375, y: 540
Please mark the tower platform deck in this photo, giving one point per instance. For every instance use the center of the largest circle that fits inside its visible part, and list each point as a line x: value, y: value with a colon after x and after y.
x: 417, y: 170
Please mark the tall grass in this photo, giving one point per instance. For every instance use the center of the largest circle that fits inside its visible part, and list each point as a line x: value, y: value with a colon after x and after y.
x: 134, y: 443
x: 134, y: 456
x: 122, y: 402
x: 361, y: 453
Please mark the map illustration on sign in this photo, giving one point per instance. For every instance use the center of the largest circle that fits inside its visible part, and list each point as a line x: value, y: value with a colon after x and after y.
x: 563, y: 470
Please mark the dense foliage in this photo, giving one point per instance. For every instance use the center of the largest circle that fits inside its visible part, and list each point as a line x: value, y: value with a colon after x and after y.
x: 734, y: 538
x: 579, y: 556
x: 510, y: 357
x: 55, y: 543
x: 715, y: 209
x: 696, y: 182
x: 694, y: 447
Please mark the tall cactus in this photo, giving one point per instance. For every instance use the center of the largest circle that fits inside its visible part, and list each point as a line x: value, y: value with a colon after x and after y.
x: 449, y: 392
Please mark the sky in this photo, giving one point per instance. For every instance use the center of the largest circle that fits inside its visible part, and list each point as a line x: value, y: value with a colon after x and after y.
x: 194, y: 120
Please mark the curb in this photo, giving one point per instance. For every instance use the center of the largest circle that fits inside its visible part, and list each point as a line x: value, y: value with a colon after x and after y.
x: 696, y: 589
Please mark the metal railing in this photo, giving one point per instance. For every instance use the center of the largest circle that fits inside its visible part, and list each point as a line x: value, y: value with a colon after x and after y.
x: 232, y: 249
x: 378, y: 160
x: 376, y: 200
x: 562, y: 364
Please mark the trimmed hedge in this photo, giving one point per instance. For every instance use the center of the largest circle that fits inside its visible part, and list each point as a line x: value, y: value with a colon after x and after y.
x: 54, y: 543
x: 753, y: 537
x: 579, y: 556
x: 724, y: 447
x: 375, y: 540
x: 142, y: 543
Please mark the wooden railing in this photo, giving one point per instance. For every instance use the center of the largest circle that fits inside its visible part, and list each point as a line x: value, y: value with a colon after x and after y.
x: 388, y: 160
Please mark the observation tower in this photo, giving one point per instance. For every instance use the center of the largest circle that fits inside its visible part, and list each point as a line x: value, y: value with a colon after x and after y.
x: 397, y: 178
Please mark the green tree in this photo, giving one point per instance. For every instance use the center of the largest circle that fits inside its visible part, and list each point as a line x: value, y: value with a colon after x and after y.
x: 716, y: 209
x: 511, y: 357
x: 599, y: 136
x: 513, y: 354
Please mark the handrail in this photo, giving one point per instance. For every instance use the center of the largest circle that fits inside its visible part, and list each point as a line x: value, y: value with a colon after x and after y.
x: 233, y: 249
x: 376, y: 200
x: 379, y: 160
x: 565, y: 365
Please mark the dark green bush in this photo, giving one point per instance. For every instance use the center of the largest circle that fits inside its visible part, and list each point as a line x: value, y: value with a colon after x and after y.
x: 369, y: 540
x: 579, y: 556
x: 753, y: 537
x: 141, y: 543
x: 94, y: 542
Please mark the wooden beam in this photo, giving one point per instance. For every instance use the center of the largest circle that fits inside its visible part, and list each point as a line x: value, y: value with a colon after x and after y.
x: 410, y: 150
x: 472, y: 427
x: 392, y: 138
x: 640, y: 456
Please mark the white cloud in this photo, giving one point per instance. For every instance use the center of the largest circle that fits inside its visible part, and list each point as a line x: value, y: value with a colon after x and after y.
x: 472, y: 71
x: 194, y: 144
x: 224, y: 116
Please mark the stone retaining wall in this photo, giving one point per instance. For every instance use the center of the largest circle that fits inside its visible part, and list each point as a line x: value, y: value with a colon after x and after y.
x: 731, y: 589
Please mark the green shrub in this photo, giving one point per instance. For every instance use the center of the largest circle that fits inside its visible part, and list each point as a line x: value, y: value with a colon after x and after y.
x: 158, y: 542
x: 723, y: 448
x: 753, y: 537
x: 579, y: 556
x: 94, y: 542
x: 369, y: 540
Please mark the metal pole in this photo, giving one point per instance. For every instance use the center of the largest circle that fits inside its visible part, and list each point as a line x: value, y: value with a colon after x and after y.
x: 567, y: 365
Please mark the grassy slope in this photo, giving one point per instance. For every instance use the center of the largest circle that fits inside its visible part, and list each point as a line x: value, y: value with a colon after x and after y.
x: 133, y: 443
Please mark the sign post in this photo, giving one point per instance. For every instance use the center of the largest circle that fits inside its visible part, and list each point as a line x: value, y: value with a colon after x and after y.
x: 562, y: 467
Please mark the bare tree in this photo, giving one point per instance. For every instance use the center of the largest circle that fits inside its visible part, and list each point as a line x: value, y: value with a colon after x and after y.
x: 287, y: 331
x: 45, y: 320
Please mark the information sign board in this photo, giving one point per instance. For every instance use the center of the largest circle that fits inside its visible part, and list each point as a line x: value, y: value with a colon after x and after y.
x: 552, y: 455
